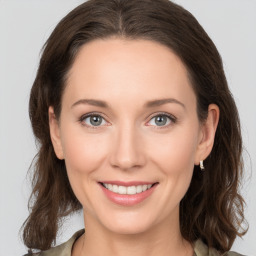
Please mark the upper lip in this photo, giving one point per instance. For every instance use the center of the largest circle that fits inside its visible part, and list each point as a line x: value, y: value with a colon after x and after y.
x: 127, y: 183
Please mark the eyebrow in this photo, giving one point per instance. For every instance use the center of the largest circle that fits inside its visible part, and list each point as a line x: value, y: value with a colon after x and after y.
x: 148, y: 104
x: 159, y: 102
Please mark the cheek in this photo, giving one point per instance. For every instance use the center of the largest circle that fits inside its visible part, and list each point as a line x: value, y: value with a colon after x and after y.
x: 173, y: 156
x: 82, y: 153
x: 175, y: 153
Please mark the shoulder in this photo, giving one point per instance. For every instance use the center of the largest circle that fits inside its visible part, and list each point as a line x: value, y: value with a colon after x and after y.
x: 202, y: 249
x: 63, y: 249
x: 233, y: 254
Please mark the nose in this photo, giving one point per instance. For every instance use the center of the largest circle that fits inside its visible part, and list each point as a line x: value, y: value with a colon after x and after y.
x: 127, y: 149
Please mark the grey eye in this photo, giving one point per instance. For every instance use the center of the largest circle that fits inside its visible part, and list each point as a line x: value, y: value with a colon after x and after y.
x: 160, y: 120
x: 94, y: 120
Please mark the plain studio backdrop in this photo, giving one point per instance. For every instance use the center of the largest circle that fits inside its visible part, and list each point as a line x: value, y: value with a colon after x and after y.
x: 24, y: 27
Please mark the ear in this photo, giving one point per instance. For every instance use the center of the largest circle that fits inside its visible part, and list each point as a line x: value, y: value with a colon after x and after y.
x: 207, y: 134
x: 55, y: 133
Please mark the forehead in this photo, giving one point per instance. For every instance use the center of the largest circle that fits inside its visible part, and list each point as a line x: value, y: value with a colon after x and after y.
x: 127, y: 69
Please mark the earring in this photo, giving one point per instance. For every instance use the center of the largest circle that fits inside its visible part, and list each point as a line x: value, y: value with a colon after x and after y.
x: 202, y: 165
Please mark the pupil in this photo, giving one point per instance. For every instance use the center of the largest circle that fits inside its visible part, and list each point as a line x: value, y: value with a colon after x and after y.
x: 161, y: 120
x: 95, y: 120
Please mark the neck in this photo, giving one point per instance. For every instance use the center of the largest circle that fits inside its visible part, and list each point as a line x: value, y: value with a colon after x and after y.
x: 161, y: 240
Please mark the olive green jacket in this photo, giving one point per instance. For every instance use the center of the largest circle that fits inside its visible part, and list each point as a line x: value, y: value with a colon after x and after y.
x: 200, y: 249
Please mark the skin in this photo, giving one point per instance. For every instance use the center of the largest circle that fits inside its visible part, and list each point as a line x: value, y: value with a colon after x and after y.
x: 129, y: 144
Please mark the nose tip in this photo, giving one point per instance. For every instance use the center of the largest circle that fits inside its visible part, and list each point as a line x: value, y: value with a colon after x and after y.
x: 126, y: 157
x: 127, y: 152
x: 125, y: 165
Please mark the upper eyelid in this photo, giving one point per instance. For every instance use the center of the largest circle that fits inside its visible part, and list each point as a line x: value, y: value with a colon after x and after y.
x: 93, y: 114
x: 161, y: 113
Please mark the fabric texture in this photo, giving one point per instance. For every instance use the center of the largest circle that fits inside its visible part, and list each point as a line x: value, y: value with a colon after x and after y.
x: 200, y: 249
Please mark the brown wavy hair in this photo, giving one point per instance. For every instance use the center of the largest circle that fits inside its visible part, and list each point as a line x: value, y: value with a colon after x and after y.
x: 212, y: 208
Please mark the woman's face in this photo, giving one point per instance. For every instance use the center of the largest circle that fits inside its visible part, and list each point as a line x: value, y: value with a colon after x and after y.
x: 128, y: 122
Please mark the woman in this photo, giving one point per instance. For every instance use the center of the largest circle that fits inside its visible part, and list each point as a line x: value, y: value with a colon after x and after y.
x: 137, y: 127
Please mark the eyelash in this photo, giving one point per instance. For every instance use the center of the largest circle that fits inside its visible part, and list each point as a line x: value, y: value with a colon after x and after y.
x: 173, y: 119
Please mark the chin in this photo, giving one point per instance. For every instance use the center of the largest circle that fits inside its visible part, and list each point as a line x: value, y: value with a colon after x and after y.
x: 129, y: 228
x: 128, y: 224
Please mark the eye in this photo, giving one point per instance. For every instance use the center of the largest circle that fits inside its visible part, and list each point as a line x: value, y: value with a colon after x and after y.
x: 162, y: 120
x: 95, y: 120
x: 92, y: 120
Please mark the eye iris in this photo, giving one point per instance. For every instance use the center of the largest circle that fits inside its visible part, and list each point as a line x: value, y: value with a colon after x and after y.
x: 95, y: 120
x: 161, y: 120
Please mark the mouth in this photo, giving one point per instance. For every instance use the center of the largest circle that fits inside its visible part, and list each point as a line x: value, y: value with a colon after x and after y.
x: 127, y: 193
x: 127, y: 190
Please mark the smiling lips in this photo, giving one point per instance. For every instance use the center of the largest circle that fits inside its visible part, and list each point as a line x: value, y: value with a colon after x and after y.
x: 127, y: 194
x: 130, y: 190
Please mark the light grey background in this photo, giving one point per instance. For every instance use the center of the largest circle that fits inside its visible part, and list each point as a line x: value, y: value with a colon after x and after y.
x: 24, y: 27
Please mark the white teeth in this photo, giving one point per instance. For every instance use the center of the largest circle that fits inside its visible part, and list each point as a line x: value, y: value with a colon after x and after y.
x: 121, y: 190
x: 130, y: 190
x: 138, y: 189
x: 115, y: 188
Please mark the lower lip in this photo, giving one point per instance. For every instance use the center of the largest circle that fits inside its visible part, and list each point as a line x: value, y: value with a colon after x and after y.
x: 128, y: 200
